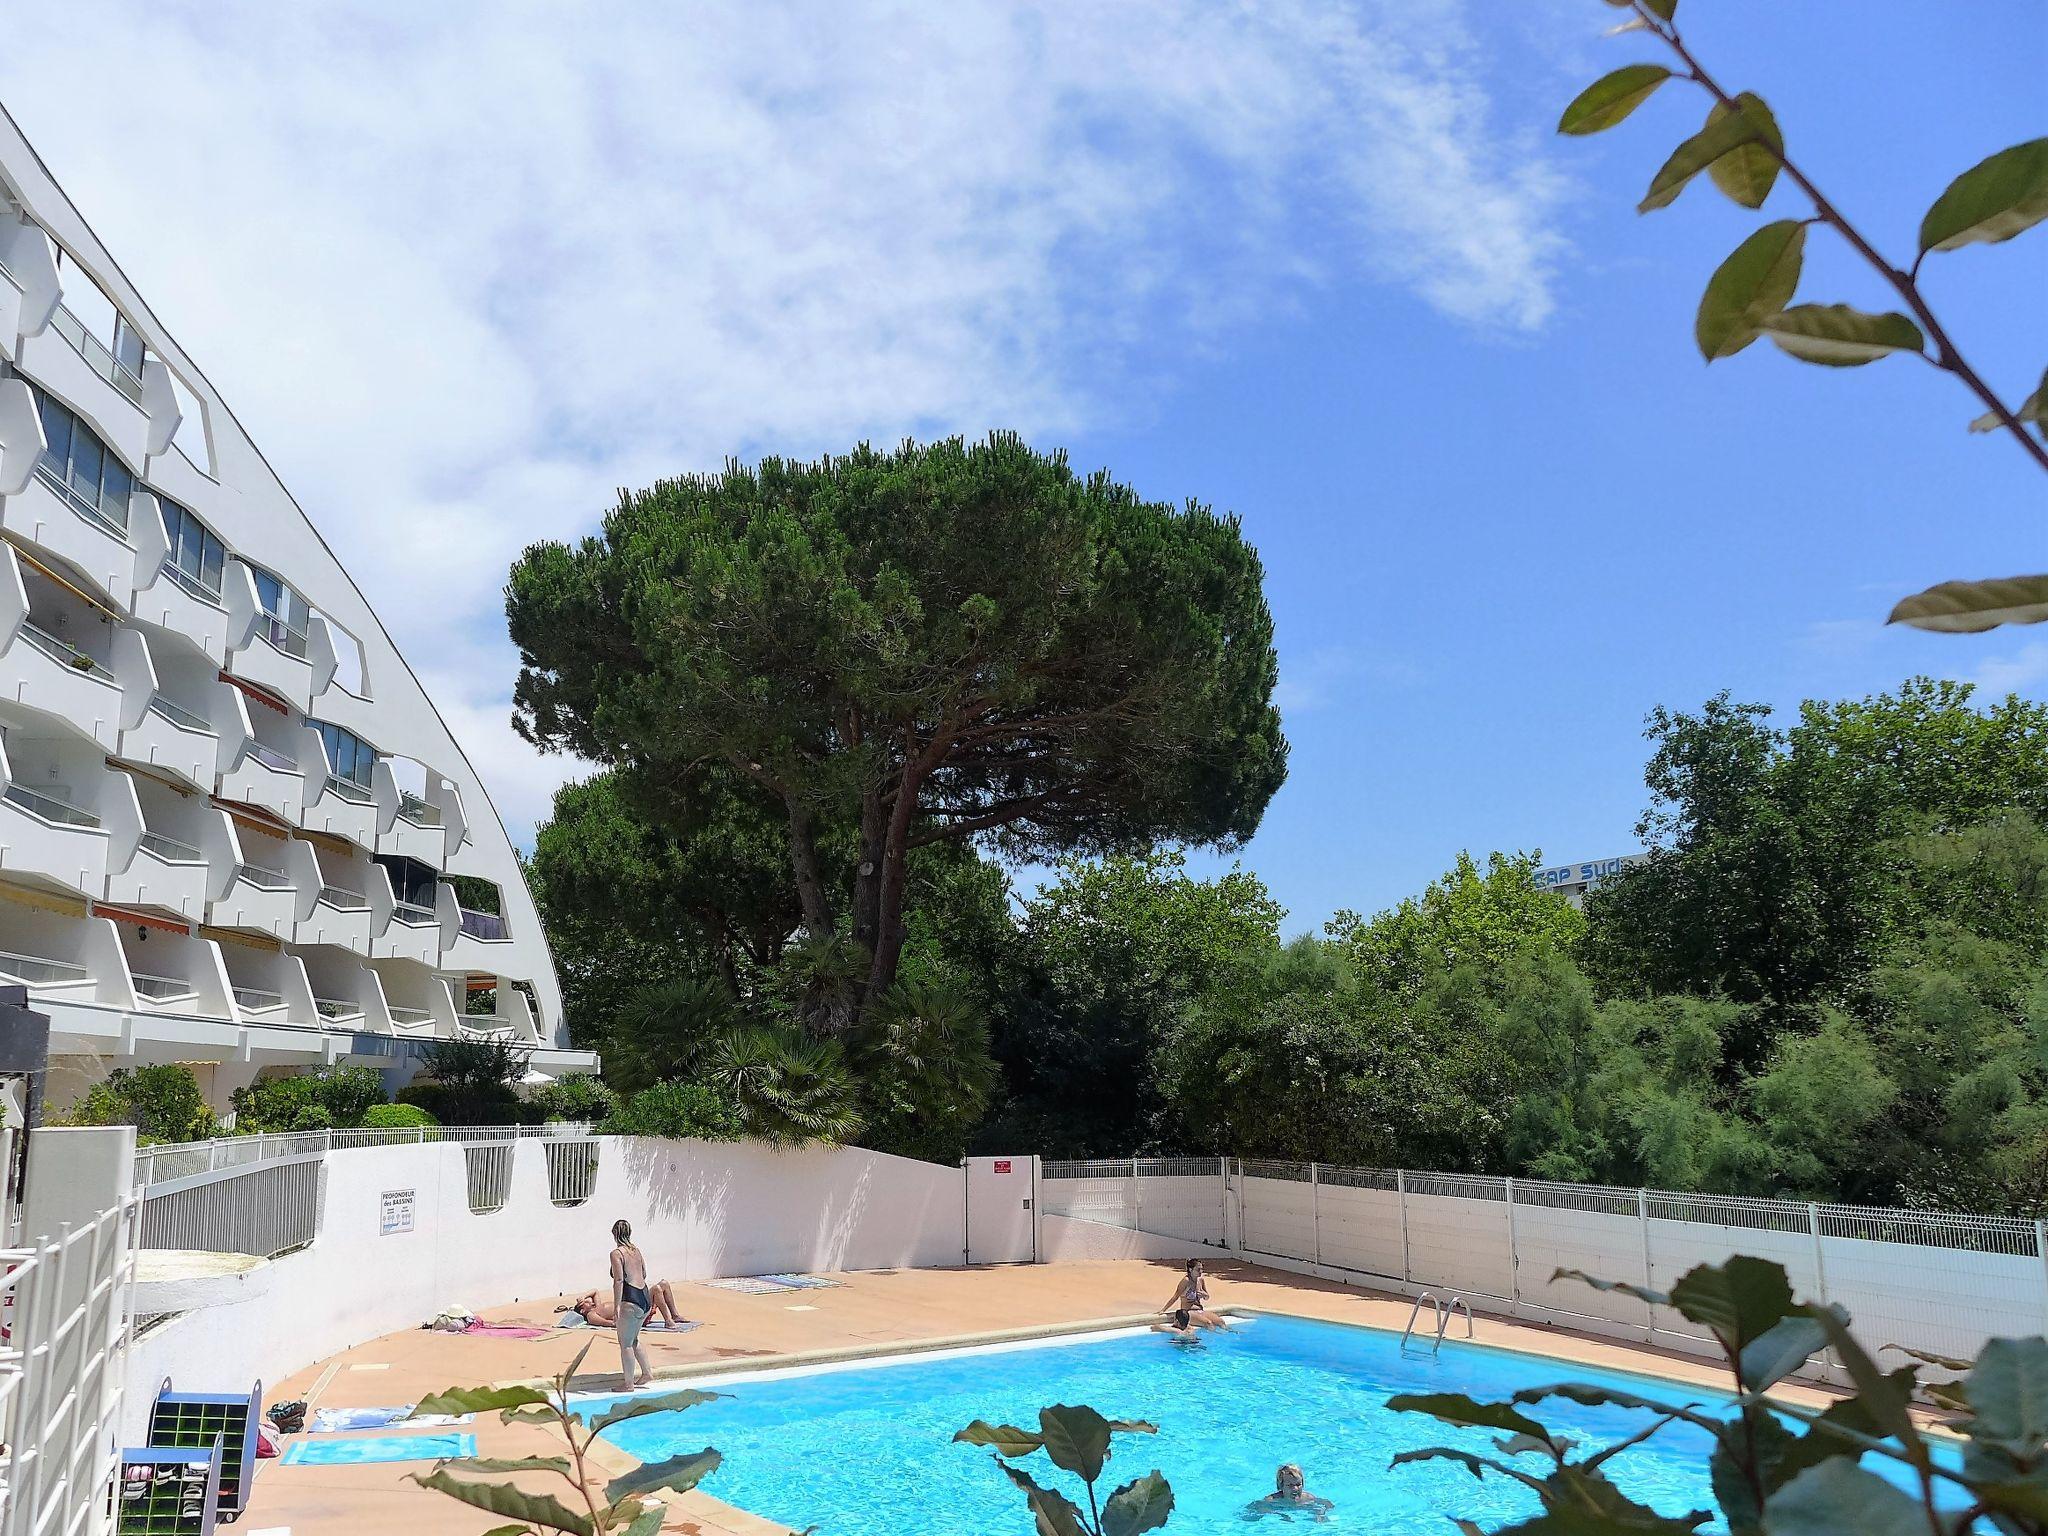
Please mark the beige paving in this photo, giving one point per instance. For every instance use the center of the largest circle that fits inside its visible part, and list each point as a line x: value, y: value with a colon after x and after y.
x: 877, y: 1311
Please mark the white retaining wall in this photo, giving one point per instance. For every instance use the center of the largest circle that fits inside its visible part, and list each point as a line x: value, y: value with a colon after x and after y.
x: 699, y: 1210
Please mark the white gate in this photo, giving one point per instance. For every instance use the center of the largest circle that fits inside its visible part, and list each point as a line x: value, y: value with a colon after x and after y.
x: 1002, y: 1210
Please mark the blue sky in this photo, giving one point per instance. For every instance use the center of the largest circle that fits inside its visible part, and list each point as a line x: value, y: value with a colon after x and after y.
x: 1324, y: 266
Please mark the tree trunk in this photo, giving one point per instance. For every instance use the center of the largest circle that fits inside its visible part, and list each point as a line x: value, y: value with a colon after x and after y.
x: 810, y: 880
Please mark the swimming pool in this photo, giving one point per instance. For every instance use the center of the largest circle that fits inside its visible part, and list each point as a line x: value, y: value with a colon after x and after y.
x: 868, y: 1451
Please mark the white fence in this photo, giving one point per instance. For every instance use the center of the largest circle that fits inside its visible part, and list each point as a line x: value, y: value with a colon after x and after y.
x: 1931, y: 1280
x: 64, y: 1338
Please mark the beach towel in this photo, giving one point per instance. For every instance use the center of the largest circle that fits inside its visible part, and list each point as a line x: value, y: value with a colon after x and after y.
x: 504, y: 1331
x: 350, y: 1453
x: 803, y: 1282
x: 328, y: 1421
x: 752, y: 1285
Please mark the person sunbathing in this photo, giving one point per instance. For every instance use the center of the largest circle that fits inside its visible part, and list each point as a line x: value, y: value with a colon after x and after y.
x: 596, y: 1309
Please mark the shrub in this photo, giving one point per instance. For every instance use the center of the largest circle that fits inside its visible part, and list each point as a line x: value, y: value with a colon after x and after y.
x: 579, y: 1097
x: 396, y: 1117
x: 309, y: 1101
x: 162, y: 1102
x: 678, y: 1111
x: 480, y: 1080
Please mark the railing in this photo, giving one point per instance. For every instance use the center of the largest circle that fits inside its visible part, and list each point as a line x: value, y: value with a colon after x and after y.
x: 35, y: 971
x: 178, y: 1161
x: 97, y: 354
x: 418, y: 811
x: 348, y: 789
x: 488, y: 1166
x: 193, y: 585
x: 65, y: 654
x: 258, y: 999
x: 161, y: 989
x: 48, y: 807
x: 411, y: 1017
x: 572, y: 1170
x: 183, y: 718
x: 111, y: 516
x: 62, y: 1369
x: 282, y: 635
x: 411, y: 912
x: 270, y: 757
x: 263, y: 876
x: 170, y: 849
x: 343, y: 899
x: 266, y: 1209
x: 483, y: 925
x: 337, y: 1008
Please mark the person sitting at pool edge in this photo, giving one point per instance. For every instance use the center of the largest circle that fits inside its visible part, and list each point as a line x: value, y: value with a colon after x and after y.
x: 595, y: 1309
x: 1189, y: 1303
x: 1290, y: 1496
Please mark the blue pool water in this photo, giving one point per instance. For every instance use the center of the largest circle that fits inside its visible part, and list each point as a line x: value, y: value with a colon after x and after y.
x: 869, y: 1452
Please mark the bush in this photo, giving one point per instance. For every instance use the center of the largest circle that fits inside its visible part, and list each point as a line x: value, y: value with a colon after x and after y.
x: 677, y: 1111
x: 330, y: 1098
x: 580, y: 1098
x: 162, y: 1102
x: 478, y: 1079
x: 396, y: 1117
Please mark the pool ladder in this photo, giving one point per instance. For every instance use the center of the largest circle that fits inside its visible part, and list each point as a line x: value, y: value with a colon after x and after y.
x: 1443, y: 1316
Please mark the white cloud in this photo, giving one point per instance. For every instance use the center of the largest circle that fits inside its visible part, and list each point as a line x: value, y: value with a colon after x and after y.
x: 464, y: 269
x: 2017, y: 672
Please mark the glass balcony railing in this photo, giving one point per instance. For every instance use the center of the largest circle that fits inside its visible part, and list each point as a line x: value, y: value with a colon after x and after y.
x: 263, y: 877
x: 161, y: 989
x: 179, y: 715
x: 109, y: 512
x: 48, y: 807
x: 35, y: 971
x: 97, y: 354
x: 483, y: 925
x: 348, y: 789
x: 418, y: 811
x: 411, y: 1017
x: 257, y: 1000
x: 411, y: 912
x: 271, y: 758
x: 171, y: 850
x: 65, y: 654
x: 337, y: 1008
x: 193, y: 585
x: 343, y: 899
x: 281, y: 634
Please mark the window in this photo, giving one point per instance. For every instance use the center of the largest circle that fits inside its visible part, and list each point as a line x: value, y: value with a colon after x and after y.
x: 413, y: 883
x: 78, y: 467
x: 195, y: 557
x: 286, y: 611
x: 350, y: 758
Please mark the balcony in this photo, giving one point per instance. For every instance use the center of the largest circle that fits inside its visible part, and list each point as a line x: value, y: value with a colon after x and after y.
x: 49, y: 672
x: 488, y: 926
x: 159, y: 730
x: 409, y: 826
x: 63, y: 958
x: 290, y: 654
x: 171, y: 972
x: 88, y: 534
x: 260, y: 881
x: 338, y: 914
x: 265, y: 776
x: 79, y: 369
x: 29, y: 286
x: 338, y: 806
x: 163, y: 871
x: 42, y: 976
x: 178, y: 602
x: 269, y: 986
x: 44, y: 834
x: 406, y: 929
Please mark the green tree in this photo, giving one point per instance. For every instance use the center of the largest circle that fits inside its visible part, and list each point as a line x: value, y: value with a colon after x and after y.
x: 941, y: 643
x: 1741, y: 149
x: 162, y: 1102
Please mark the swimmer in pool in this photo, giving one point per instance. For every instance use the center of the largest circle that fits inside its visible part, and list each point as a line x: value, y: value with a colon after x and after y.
x: 1290, y: 1499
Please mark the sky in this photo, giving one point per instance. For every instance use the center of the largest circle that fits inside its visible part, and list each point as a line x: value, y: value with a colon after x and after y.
x: 464, y: 270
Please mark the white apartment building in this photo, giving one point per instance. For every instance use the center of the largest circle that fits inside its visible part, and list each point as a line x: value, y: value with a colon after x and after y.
x: 234, y: 832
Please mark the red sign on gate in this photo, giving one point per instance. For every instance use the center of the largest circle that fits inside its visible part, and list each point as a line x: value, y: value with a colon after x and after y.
x: 1002, y: 1165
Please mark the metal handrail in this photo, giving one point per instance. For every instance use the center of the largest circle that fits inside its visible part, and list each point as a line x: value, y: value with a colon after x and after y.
x: 97, y: 354
x: 348, y: 789
x: 170, y: 849
x: 94, y: 510
x: 483, y: 925
x: 35, y: 971
x: 263, y: 876
x: 65, y: 654
x: 48, y: 807
x: 418, y: 811
x: 341, y: 898
x: 271, y: 758
x: 194, y: 586
x: 412, y: 913
x: 179, y: 715
x: 161, y: 988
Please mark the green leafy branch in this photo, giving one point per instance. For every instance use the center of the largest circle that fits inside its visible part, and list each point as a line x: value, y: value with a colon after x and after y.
x: 1742, y: 151
x: 1077, y: 1440
x: 625, y: 1506
x: 1765, y: 1476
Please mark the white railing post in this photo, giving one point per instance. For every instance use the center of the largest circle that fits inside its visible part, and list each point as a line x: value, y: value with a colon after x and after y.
x: 1401, y: 1186
x: 1223, y: 1201
x: 2041, y: 1253
x: 1137, y: 1199
x: 1315, y: 1215
x: 1649, y: 1284
x: 1820, y: 1280
x: 1514, y: 1257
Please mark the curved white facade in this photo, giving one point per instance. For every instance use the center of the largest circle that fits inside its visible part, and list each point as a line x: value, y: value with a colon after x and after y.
x: 231, y: 821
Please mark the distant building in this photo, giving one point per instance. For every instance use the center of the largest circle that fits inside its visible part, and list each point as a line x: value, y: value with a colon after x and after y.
x: 1572, y: 881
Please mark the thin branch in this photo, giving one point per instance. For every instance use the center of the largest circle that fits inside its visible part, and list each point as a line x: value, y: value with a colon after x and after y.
x: 1946, y: 355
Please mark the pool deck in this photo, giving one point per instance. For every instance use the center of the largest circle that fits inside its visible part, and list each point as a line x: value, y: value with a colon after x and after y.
x: 869, y: 1313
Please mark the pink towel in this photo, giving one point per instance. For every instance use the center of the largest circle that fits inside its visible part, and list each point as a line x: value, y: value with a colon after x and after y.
x: 506, y: 1331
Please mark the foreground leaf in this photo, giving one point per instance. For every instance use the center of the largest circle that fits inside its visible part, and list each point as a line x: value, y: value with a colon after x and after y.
x: 1053, y: 1511
x: 508, y: 1499
x: 2029, y: 410
x: 1005, y: 1439
x: 1993, y: 200
x: 679, y: 1474
x: 482, y: 1400
x: 1740, y: 1300
x: 2008, y: 1389
x: 1971, y: 607
x: 1611, y: 98
x: 1754, y: 283
x: 1721, y: 135
x: 1478, y: 1466
x: 639, y: 1408
x: 1779, y: 1351
x: 1140, y: 1505
x: 1589, y: 1396
x: 1457, y: 1408
x: 649, y: 1520
x: 1641, y: 1293
x: 1748, y: 174
x: 1837, y: 1496
x: 512, y: 1464
x: 1076, y: 1439
x: 1840, y: 336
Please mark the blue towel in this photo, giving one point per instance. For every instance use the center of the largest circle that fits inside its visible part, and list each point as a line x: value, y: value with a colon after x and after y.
x: 371, y: 1448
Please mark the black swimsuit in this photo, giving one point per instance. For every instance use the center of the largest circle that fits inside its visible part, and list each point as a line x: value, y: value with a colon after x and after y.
x: 633, y: 1296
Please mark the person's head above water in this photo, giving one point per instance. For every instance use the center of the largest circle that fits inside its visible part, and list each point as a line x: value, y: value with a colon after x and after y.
x: 1289, y: 1481
x: 622, y: 1232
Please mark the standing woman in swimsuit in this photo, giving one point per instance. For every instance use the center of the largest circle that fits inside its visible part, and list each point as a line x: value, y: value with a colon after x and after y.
x: 631, y: 1304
